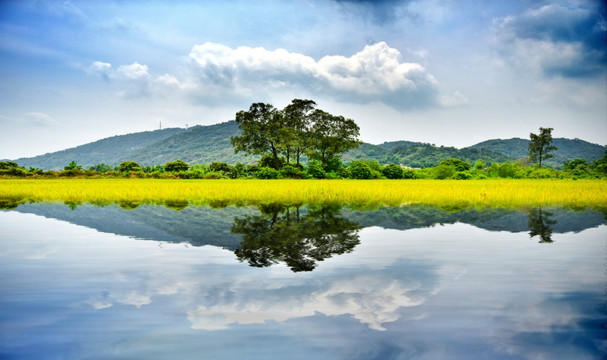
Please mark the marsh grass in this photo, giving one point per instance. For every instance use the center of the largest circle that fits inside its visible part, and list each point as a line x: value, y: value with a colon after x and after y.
x: 449, y: 194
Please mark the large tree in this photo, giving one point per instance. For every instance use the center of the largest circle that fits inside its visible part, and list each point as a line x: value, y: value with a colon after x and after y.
x: 331, y: 136
x: 296, y: 120
x: 297, y: 129
x: 260, y: 132
x: 540, y: 146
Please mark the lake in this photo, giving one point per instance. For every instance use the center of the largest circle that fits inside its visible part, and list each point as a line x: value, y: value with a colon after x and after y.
x: 130, y: 281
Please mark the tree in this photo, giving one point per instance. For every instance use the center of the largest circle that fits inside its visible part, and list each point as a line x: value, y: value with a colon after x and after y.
x: 260, y: 132
x: 128, y: 166
x: 331, y: 135
x: 539, y: 147
x: 296, y: 120
x: 392, y: 171
x: 176, y: 166
x: 73, y: 166
x: 458, y: 164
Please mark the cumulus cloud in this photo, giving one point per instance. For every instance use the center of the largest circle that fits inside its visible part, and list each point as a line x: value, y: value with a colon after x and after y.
x: 557, y: 40
x: 133, y: 71
x: 100, y: 68
x: 372, y: 300
x: 134, y: 79
x: 376, y: 73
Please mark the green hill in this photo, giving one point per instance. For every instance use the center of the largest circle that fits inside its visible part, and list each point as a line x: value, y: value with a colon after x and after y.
x: 198, y: 145
x: 568, y: 149
x: 205, y: 144
x: 419, y: 155
x: 109, y: 150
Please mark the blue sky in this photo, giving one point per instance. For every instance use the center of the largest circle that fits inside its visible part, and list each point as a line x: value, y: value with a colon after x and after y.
x: 447, y: 72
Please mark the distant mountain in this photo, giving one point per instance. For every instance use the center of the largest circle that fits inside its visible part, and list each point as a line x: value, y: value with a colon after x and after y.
x: 198, y: 145
x: 205, y: 144
x: 419, y: 155
x: 109, y: 150
x: 567, y: 149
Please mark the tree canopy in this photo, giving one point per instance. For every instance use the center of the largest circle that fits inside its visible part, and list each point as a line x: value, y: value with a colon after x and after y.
x: 297, y: 129
x: 540, y: 146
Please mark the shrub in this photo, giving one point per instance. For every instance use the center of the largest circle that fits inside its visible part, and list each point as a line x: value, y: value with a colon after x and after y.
x: 291, y: 172
x: 213, y: 175
x: 237, y: 171
x: 218, y: 166
x: 315, y: 170
x: 68, y: 172
x: 333, y: 164
x: 479, y: 164
x: 458, y: 164
x: 392, y: 171
x: 73, y: 166
x: 128, y: 166
x: 176, y: 166
x: 443, y: 172
x: 5, y: 165
x: 268, y: 161
x: 409, y: 174
x: 462, y: 175
x: 343, y: 173
x: 17, y: 171
x: 267, y: 173
x: 360, y: 170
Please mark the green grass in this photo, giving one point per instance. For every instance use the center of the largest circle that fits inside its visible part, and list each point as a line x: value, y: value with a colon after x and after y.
x: 449, y: 193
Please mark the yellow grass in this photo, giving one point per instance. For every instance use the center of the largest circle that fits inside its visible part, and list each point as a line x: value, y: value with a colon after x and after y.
x: 450, y: 193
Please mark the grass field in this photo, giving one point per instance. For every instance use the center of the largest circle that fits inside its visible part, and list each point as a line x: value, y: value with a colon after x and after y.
x: 446, y: 193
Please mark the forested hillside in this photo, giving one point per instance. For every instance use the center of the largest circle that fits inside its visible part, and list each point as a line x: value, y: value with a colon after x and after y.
x: 568, y: 149
x: 206, y: 144
x: 198, y: 145
x: 109, y: 150
x: 419, y: 155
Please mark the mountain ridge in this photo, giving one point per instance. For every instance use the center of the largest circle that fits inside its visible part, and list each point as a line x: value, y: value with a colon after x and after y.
x: 208, y: 143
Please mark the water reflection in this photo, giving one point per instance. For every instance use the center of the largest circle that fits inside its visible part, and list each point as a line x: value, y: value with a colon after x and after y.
x: 412, y: 282
x: 299, y: 236
x: 284, y: 234
x: 540, y: 223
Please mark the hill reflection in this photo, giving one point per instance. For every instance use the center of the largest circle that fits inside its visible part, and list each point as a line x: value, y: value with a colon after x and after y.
x: 299, y: 236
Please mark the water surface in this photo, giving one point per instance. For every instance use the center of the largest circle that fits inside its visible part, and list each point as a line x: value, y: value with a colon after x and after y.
x: 155, y: 282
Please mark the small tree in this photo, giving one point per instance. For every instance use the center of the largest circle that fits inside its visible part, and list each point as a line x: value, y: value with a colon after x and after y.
x: 540, y: 146
x: 128, y: 166
x: 73, y: 166
x: 458, y: 164
x: 360, y: 170
x: 392, y: 171
x: 176, y: 166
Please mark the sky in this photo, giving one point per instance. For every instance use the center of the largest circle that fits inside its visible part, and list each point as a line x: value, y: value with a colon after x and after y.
x: 446, y: 72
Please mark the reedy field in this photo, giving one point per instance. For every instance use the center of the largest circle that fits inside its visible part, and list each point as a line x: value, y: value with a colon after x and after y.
x: 453, y: 194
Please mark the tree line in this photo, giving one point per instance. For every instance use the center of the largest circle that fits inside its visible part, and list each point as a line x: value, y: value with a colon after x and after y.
x: 285, y: 137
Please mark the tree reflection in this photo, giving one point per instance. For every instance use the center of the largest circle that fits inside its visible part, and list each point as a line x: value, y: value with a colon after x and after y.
x: 293, y: 236
x: 540, y: 224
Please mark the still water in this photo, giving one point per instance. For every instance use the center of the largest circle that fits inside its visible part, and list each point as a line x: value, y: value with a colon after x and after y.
x: 276, y: 282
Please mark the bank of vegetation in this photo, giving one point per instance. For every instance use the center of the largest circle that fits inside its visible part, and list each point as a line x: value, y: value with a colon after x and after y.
x: 304, y: 142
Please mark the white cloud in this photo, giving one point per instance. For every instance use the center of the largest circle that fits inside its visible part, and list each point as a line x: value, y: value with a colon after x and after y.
x: 134, y: 71
x: 100, y: 68
x: 372, y: 300
x: 376, y: 73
